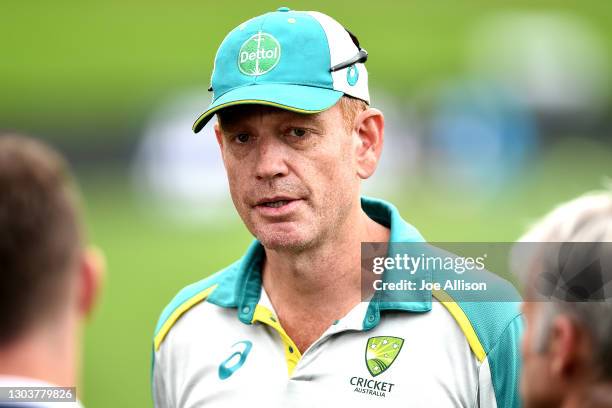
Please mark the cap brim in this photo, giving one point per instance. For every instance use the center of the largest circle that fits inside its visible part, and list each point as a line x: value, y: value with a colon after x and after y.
x: 296, y: 98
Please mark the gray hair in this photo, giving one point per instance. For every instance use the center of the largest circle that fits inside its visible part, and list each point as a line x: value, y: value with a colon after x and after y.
x: 586, y: 220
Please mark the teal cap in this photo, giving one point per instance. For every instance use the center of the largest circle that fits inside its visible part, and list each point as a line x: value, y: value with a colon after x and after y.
x: 302, y: 61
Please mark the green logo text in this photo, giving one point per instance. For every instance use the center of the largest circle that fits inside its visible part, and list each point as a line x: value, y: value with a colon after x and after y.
x: 259, y: 54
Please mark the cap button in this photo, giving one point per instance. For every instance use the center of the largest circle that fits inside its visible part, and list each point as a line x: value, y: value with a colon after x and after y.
x: 284, y: 9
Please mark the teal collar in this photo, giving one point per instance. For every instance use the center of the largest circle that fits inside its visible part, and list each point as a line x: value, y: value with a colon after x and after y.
x: 240, y: 283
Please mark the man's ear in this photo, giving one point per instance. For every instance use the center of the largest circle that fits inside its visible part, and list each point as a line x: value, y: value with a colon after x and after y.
x: 369, y: 128
x: 219, y: 135
x: 567, y: 343
x: 92, y: 271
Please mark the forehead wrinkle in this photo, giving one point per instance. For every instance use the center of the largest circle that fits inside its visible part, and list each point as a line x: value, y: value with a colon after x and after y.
x: 315, y: 118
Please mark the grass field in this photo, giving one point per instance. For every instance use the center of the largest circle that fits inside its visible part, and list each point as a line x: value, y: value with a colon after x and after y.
x: 87, y: 75
x: 150, y: 259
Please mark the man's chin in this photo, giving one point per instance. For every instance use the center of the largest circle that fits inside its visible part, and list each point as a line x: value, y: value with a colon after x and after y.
x: 282, y: 238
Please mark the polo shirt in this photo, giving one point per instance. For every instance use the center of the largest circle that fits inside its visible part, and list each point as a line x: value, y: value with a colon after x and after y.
x: 219, y: 343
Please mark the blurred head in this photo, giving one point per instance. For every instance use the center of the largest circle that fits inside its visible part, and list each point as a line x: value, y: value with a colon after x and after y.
x: 46, y: 271
x: 567, y: 345
x: 294, y: 178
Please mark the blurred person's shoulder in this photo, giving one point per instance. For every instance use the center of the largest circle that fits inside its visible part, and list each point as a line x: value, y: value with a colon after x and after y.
x: 17, y: 383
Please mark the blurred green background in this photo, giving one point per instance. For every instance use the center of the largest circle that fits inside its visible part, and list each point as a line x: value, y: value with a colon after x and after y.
x: 86, y: 76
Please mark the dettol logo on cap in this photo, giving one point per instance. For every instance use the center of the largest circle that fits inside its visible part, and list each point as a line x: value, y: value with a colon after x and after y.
x: 259, y: 54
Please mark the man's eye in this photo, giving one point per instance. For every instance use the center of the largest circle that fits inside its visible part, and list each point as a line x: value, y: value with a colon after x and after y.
x: 242, y: 138
x: 299, y: 132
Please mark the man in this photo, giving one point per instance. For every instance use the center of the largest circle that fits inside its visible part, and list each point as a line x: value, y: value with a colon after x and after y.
x: 567, y: 348
x: 285, y: 325
x: 49, y: 279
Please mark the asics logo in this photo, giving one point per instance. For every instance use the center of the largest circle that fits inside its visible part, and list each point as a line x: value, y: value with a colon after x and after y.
x: 235, y: 360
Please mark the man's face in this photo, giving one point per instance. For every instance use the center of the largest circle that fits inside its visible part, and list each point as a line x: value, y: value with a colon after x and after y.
x: 292, y: 176
x: 539, y: 387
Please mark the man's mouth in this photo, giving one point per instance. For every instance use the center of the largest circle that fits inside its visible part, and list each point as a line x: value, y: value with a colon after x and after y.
x: 274, y: 201
x: 276, y: 204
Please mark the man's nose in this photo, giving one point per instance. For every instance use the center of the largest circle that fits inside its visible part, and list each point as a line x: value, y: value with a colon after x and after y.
x: 271, y: 159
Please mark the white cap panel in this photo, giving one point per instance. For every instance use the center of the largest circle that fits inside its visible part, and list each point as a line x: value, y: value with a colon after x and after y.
x: 342, y: 48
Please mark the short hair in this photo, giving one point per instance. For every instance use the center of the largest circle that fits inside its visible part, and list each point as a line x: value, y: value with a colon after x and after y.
x: 585, y: 219
x: 576, y: 234
x: 40, y: 235
x: 351, y: 107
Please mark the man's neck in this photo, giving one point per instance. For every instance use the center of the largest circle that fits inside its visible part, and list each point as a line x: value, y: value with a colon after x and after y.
x: 590, y: 396
x: 45, y: 353
x: 313, y: 288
